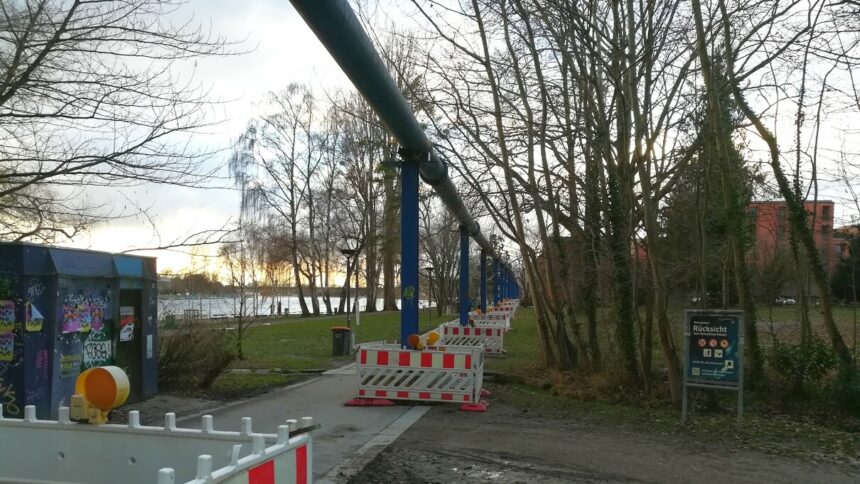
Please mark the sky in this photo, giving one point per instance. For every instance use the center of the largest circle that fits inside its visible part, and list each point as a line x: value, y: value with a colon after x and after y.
x: 282, y: 50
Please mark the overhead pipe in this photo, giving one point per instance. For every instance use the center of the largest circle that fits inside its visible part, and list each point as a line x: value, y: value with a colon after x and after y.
x: 339, y: 30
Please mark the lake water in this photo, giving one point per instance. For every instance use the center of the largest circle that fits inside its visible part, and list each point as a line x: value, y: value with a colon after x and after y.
x: 225, y: 307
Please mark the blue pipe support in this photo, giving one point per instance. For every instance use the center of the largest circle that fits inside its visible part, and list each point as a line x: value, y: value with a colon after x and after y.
x: 465, y: 304
x: 339, y: 30
x: 408, y: 251
x: 483, y: 281
x: 496, y: 281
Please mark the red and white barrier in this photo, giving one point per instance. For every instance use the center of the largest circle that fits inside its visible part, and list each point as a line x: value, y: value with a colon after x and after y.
x: 287, y: 462
x: 488, y: 336
x: 481, y: 320
x: 439, y: 374
x: 508, y: 307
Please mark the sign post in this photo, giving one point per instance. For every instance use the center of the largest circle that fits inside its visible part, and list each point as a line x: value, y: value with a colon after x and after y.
x: 713, y: 353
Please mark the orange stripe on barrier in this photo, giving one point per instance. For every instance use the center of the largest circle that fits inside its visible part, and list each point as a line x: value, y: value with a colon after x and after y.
x: 381, y: 393
x: 263, y: 473
x: 426, y: 360
x: 382, y: 358
x: 468, y: 362
x: 424, y: 395
x: 404, y: 358
x: 447, y: 396
x: 363, y: 357
x: 402, y: 394
x: 448, y: 361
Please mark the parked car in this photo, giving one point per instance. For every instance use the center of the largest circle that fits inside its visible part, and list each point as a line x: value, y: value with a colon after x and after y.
x: 784, y: 301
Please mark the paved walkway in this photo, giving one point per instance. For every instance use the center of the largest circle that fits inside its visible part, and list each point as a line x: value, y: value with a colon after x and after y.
x: 349, y: 436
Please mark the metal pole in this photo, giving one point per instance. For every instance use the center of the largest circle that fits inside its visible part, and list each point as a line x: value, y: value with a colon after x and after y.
x: 430, y: 299
x: 483, y: 281
x: 464, y: 276
x: 346, y: 303
x: 408, y: 250
x: 356, y: 307
x: 429, y: 271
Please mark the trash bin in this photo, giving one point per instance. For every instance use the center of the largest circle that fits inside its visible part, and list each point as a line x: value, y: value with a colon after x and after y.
x: 341, y: 340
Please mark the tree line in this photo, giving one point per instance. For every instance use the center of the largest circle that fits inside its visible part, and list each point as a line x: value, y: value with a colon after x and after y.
x: 619, y: 144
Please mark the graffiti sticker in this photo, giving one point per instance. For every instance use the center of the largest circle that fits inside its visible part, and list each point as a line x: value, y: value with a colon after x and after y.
x: 7, y: 346
x: 7, y: 316
x: 34, y: 319
x: 126, y: 323
x: 83, y: 314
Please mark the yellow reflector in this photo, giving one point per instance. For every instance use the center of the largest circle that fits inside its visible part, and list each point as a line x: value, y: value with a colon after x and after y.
x: 104, y: 388
x: 432, y: 337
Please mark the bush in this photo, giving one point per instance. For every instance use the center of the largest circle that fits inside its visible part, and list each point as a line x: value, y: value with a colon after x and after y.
x: 845, y: 391
x: 192, y: 357
x: 799, y: 365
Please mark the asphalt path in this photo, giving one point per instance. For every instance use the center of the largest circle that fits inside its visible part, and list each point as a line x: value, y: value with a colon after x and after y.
x: 348, y: 437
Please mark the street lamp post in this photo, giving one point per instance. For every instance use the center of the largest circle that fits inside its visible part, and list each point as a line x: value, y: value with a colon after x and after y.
x: 355, y: 306
x: 429, y: 270
x: 348, y: 252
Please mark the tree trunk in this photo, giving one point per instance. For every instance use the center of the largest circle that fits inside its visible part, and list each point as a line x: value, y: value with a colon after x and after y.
x: 389, y: 245
x: 735, y: 212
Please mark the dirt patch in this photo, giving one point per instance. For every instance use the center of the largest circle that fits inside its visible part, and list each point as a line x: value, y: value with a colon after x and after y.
x: 152, y: 411
x: 513, y: 442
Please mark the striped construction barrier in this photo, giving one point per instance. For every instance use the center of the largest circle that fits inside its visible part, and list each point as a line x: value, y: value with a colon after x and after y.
x: 62, y: 450
x: 439, y: 374
x: 481, y: 320
x: 489, y: 336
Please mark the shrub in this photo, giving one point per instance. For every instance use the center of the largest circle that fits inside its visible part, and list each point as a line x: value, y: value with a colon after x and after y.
x: 193, y: 356
x: 800, y: 365
x: 845, y: 391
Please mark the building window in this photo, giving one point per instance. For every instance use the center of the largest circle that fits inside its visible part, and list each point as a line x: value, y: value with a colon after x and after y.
x: 825, y: 212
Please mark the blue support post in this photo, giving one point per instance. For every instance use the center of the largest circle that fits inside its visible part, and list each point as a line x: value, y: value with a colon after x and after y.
x: 464, y: 276
x: 496, y: 285
x: 408, y: 250
x: 503, y: 282
x: 483, y: 281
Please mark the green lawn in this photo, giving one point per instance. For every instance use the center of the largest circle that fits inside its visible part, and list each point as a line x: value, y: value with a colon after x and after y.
x: 302, y: 345
x: 295, y: 344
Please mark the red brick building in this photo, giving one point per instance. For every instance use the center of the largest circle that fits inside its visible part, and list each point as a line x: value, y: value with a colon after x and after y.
x: 772, y: 231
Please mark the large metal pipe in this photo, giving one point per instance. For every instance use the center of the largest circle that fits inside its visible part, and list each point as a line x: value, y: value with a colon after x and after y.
x: 337, y: 27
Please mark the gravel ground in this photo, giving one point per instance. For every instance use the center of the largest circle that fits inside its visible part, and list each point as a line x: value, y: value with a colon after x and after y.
x: 152, y: 411
x: 511, y: 444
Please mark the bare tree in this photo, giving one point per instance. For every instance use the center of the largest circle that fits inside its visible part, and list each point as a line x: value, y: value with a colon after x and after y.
x: 241, y: 261
x: 88, y: 98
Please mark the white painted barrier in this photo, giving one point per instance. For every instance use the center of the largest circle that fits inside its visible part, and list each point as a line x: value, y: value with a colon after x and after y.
x: 491, y: 319
x: 439, y: 374
x: 62, y: 451
x: 489, y: 336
